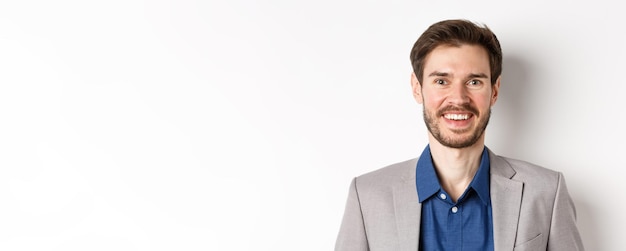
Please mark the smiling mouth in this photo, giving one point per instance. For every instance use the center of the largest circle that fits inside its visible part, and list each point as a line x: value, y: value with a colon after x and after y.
x: 453, y: 116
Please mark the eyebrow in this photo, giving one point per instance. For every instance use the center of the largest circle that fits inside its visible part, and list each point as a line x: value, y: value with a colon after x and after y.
x: 445, y: 74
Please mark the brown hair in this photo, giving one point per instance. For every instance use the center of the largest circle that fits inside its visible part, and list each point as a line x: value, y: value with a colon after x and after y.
x: 456, y: 33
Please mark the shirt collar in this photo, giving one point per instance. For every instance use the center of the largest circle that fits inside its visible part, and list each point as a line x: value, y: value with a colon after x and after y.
x: 427, y: 182
x: 480, y: 183
x: 426, y: 179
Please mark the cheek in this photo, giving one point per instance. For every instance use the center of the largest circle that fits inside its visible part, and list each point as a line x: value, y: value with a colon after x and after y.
x: 483, y: 101
x: 433, y: 101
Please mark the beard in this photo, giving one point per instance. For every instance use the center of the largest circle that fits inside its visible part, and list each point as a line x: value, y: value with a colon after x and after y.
x: 432, y: 123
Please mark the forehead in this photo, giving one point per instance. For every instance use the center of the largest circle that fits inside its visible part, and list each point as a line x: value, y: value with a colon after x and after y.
x: 463, y: 59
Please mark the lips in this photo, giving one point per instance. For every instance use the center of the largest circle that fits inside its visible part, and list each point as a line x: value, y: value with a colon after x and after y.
x: 458, y: 116
x: 463, y: 112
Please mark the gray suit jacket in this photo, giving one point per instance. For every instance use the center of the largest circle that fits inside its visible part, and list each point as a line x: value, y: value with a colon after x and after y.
x: 532, y: 209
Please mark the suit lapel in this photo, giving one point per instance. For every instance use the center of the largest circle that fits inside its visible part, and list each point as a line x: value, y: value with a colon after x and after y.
x: 407, y: 210
x: 506, y: 198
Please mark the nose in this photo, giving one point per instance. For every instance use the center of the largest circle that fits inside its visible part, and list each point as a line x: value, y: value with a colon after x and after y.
x: 458, y: 94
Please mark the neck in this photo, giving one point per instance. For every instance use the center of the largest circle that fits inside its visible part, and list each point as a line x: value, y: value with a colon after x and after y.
x: 456, y: 167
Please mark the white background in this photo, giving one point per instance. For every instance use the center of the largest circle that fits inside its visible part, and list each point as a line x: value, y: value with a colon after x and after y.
x: 237, y: 125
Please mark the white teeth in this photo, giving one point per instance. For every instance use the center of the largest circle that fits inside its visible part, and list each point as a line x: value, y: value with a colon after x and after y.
x: 457, y: 116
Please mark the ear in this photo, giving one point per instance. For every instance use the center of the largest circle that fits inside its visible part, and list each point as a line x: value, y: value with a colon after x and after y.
x: 417, y: 89
x: 495, y: 90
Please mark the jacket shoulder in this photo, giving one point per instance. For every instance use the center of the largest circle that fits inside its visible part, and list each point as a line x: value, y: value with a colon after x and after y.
x: 528, y: 172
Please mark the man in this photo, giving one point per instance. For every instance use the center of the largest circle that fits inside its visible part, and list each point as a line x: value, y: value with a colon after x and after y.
x: 458, y: 195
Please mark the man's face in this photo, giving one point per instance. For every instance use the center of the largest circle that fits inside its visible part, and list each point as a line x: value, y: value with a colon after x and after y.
x: 457, y: 94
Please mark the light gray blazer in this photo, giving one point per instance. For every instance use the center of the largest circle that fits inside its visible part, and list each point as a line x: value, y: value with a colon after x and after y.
x: 531, y: 207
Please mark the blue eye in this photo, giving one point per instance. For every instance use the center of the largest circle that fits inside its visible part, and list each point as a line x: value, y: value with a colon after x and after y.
x: 474, y: 82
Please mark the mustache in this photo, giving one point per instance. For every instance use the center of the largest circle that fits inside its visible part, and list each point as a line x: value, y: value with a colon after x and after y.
x: 461, y: 108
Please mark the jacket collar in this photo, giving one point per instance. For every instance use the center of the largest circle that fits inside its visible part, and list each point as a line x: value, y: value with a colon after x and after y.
x: 407, y: 208
x: 506, y: 199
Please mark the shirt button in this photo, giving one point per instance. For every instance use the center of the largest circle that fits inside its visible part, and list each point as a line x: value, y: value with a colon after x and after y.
x: 455, y: 209
x: 442, y: 196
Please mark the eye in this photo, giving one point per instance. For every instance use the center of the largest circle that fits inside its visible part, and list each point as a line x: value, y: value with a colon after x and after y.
x: 440, y: 81
x: 474, y: 82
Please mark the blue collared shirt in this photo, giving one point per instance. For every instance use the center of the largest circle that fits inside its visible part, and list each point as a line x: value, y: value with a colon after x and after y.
x: 445, y: 225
